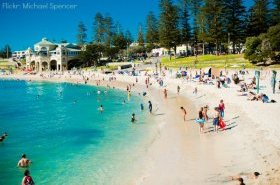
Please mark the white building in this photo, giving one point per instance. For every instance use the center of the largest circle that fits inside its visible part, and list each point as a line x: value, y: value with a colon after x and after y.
x: 52, y: 56
x: 18, y: 54
x: 181, y: 49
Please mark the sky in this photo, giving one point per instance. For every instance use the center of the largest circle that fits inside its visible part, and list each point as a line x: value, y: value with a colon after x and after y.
x: 22, y: 25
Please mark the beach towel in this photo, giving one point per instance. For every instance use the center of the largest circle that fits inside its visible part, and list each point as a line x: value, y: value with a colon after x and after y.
x: 222, y: 124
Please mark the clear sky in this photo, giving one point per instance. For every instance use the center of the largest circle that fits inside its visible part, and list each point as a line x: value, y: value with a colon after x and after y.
x: 22, y: 24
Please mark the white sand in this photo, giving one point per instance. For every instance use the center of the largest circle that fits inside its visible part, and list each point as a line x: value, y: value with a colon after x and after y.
x: 179, y: 154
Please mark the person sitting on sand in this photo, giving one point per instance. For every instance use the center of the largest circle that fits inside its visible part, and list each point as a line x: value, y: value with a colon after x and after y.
x: 252, y: 96
x: 23, y: 162
x: 249, y: 176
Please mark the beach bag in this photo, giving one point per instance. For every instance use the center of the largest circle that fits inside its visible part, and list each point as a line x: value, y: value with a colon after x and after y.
x: 222, y: 124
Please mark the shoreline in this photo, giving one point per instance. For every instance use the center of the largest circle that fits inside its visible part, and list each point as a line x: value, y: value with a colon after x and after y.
x: 201, y: 158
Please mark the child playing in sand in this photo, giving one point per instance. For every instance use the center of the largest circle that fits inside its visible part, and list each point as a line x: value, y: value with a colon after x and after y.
x: 216, y: 119
x: 165, y: 93
x: 195, y: 90
x: 222, y: 108
x: 204, y: 112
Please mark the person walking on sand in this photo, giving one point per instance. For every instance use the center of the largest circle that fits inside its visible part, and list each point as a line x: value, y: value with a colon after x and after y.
x: 222, y: 108
x: 216, y: 119
x: 165, y: 93
x: 27, y: 179
x: 184, y: 113
x: 150, y: 107
x: 178, y: 89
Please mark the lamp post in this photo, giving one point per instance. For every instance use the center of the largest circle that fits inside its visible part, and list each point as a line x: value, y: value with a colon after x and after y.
x: 273, y: 81
x: 257, y: 74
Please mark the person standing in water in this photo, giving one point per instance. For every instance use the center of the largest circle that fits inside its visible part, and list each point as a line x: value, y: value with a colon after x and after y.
x: 133, y: 119
x: 100, y: 109
x: 27, y: 179
x: 23, y: 162
x: 184, y: 113
x: 150, y: 107
x: 142, y: 106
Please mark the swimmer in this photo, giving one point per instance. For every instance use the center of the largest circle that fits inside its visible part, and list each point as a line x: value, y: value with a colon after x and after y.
x: 133, y: 119
x: 23, y: 162
x: 142, y: 106
x: 100, y: 109
x: 98, y: 92
x: 2, y: 138
x: 27, y: 179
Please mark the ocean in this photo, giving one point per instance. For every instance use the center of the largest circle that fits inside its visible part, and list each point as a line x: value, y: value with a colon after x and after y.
x: 59, y: 128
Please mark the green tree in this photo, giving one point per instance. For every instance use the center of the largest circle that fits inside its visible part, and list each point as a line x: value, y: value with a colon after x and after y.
x: 6, y: 52
x: 119, y: 41
x: 253, y: 49
x: 276, y: 12
x: 98, y: 28
x: 234, y: 19
x: 184, y: 23
x: 128, y: 37
x: 273, y: 35
x: 264, y: 47
x: 140, y: 38
x: 108, y: 30
x: 202, y: 31
x: 195, y: 7
x: 169, y: 33
x: 81, y: 36
x: 92, y: 54
x: 152, y: 29
x: 258, y: 18
x: 213, y: 14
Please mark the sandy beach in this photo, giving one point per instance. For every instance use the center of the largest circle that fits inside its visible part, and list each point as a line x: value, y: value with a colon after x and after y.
x: 180, y: 154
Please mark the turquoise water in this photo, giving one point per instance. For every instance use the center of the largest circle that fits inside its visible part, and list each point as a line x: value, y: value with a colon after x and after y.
x: 68, y: 142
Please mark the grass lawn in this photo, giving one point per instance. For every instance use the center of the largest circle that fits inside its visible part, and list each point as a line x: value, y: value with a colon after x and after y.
x: 231, y: 61
x: 6, y: 65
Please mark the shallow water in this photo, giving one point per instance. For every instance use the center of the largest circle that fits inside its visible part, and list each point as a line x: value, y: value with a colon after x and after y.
x: 60, y: 129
